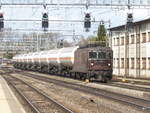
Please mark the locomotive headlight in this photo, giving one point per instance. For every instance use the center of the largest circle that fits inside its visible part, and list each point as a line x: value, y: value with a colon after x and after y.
x: 109, y: 64
x: 92, y: 64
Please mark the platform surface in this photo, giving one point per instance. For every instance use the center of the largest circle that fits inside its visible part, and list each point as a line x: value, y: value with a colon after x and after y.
x: 8, y: 101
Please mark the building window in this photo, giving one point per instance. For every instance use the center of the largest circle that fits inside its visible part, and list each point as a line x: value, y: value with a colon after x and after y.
x: 143, y: 63
x: 148, y: 63
x: 122, y: 40
x: 127, y: 63
x: 117, y: 65
x: 132, y: 63
x: 138, y: 63
x: 117, y: 41
x: 114, y: 41
x: 138, y: 38
x: 122, y: 62
x: 114, y: 63
x: 132, y: 39
x: 127, y: 40
x: 148, y: 36
x: 143, y: 37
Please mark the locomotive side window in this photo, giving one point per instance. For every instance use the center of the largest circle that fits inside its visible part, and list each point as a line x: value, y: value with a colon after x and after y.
x: 101, y: 55
x: 92, y: 55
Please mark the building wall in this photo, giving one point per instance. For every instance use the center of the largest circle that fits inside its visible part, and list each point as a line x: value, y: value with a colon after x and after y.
x: 131, y: 53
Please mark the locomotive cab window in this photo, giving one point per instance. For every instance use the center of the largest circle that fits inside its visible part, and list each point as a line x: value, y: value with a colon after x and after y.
x: 92, y: 54
x: 109, y: 56
x: 101, y: 55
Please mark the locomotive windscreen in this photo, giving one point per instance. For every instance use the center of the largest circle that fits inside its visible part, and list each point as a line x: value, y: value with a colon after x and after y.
x: 104, y: 55
x: 92, y: 54
x: 100, y: 55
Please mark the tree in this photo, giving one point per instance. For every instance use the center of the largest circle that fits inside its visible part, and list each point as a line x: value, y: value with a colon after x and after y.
x: 8, y: 55
x: 99, y: 40
x: 101, y: 35
x: 92, y: 38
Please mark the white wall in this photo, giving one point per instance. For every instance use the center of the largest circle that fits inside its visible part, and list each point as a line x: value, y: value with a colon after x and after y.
x: 119, y: 52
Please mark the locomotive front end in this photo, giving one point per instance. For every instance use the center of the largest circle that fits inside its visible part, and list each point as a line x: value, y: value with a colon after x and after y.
x: 100, y: 64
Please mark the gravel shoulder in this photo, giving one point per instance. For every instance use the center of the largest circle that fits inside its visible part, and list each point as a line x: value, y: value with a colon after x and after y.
x: 130, y: 92
x: 78, y: 101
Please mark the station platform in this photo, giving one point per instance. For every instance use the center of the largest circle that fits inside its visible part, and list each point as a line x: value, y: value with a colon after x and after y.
x: 8, y: 101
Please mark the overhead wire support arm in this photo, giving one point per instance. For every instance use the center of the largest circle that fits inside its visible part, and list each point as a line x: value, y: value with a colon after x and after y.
x: 87, y: 4
x: 129, y: 5
x: 44, y: 5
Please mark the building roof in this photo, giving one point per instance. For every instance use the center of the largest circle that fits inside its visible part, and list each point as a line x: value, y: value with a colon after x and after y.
x: 135, y: 23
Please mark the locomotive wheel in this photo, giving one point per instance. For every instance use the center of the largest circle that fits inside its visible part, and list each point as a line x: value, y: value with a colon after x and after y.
x: 104, y: 79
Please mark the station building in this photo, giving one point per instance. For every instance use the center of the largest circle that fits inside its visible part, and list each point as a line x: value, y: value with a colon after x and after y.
x: 131, y: 50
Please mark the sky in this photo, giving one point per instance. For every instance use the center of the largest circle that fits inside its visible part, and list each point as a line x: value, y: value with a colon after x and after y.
x: 117, y: 15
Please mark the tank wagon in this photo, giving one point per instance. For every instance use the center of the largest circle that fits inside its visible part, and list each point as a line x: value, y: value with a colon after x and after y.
x: 78, y: 62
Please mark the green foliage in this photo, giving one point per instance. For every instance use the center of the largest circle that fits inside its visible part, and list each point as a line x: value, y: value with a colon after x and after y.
x: 101, y: 35
x: 8, y: 55
x: 100, y: 39
x: 92, y: 38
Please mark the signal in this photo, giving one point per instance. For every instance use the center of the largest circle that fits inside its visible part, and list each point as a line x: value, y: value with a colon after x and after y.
x: 45, y: 23
x: 1, y: 20
x: 129, y: 20
x: 87, y: 21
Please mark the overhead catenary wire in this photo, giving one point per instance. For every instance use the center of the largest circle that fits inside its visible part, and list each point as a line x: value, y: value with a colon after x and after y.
x: 78, y: 4
x: 51, y: 20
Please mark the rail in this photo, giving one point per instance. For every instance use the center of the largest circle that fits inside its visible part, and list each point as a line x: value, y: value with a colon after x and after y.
x: 38, y: 101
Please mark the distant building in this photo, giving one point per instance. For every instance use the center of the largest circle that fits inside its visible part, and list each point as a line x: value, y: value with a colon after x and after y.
x: 131, y: 50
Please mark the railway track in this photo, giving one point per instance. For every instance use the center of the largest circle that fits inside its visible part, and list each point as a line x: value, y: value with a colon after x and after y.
x: 140, y: 104
x: 116, y: 84
x: 139, y: 82
x: 129, y: 86
x: 37, y: 100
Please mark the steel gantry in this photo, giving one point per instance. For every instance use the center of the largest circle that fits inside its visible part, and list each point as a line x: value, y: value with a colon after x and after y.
x: 91, y: 3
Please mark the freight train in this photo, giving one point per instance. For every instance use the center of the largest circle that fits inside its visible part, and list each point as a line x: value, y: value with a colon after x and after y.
x: 94, y: 63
